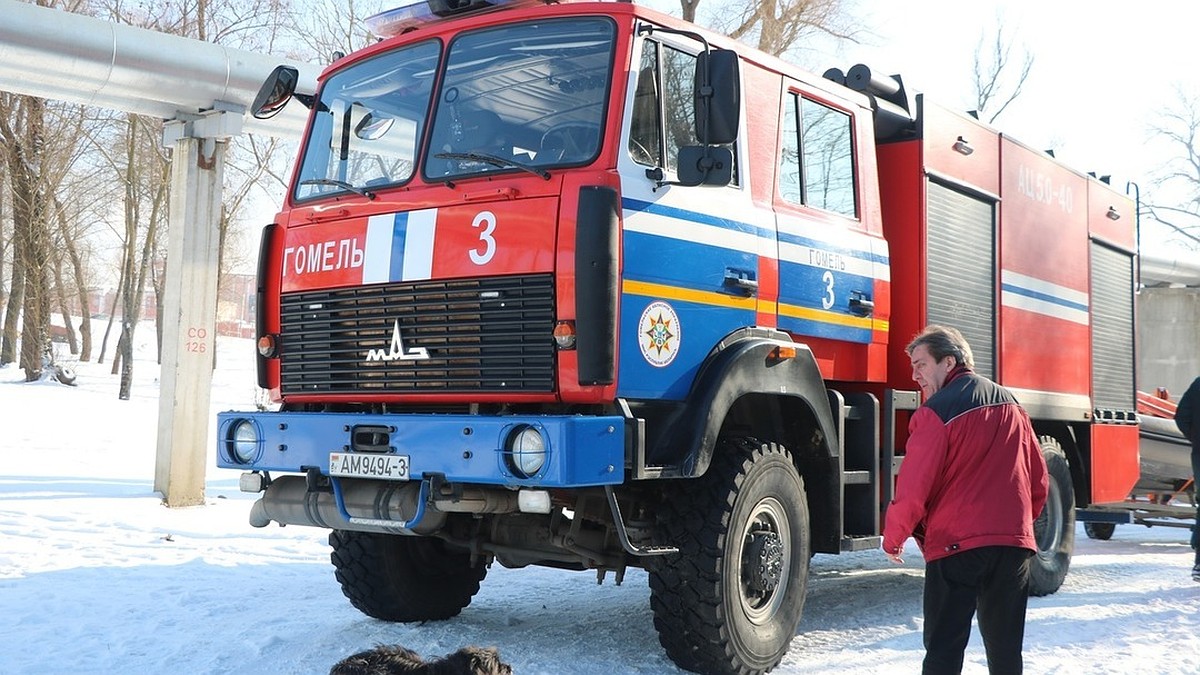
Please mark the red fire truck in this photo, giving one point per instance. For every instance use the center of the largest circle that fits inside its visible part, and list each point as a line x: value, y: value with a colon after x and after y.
x: 580, y: 285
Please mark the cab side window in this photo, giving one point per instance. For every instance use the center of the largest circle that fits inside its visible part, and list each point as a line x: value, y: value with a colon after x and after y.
x: 664, y: 116
x: 817, y: 157
x: 645, y: 142
x: 678, y: 71
x: 663, y: 112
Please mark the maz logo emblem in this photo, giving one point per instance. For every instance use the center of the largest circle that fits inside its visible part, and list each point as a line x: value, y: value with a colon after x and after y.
x: 396, y: 351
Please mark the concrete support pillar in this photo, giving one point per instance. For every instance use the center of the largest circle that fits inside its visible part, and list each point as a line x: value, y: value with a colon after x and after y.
x: 190, y: 306
x: 1168, y: 339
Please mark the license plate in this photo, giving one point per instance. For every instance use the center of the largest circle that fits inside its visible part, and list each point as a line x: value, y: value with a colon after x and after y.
x: 361, y: 465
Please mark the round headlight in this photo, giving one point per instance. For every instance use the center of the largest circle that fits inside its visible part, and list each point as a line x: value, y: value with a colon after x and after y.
x: 243, y: 441
x: 526, y: 450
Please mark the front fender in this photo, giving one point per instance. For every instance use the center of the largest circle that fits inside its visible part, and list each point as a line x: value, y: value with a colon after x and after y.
x: 738, y: 368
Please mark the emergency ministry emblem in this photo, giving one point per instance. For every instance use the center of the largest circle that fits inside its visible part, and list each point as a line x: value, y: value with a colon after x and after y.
x: 659, y: 334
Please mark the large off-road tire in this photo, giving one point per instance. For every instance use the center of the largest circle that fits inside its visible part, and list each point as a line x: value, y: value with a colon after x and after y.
x: 730, y: 600
x: 1054, y: 529
x: 1101, y: 531
x: 401, y: 578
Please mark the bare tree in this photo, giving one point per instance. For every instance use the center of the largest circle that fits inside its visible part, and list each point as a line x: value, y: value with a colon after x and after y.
x: 997, y: 85
x: 76, y: 189
x: 329, y: 26
x: 146, y: 180
x: 4, y: 229
x: 1178, y: 127
x: 144, y: 167
x: 13, y: 296
x: 23, y: 136
x: 73, y: 237
x: 40, y: 143
x: 776, y: 26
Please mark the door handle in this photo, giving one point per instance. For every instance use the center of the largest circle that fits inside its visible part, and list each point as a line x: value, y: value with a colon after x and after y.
x: 860, y: 304
x: 740, y: 281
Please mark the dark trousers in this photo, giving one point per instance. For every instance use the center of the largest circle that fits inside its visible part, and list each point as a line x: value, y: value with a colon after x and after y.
x: 993, y: 580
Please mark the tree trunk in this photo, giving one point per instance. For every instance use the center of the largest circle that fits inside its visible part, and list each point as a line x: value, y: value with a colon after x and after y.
x: 688, y: 9
x: 81, y: 284
x: 156, y: 281
x: 35, y: 318
x: 112, y: 313
x: 64, y: 307
x: 129, y: 296
x: 24, y: 137
x: 138, y: 271
x: 8, y: 347
x: 3, y: 257
x: 118, y: 359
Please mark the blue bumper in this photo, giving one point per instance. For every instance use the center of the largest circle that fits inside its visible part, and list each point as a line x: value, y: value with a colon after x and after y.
x: 580, y: 451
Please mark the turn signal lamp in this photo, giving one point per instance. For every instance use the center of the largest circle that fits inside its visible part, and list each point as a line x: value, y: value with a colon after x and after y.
x: 268, y: 346
x: 564, y: 335
x: 782, y: 353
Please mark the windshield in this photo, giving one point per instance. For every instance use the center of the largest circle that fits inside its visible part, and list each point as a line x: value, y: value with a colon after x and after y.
x: 369, y: 120
x: 524, y: 96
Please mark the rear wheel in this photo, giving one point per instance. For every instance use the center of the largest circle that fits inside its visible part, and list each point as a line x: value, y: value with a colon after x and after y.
x: 731, y: 599
x: 1101, y: 531
x: 1054, y: 529
x: 402, y: 578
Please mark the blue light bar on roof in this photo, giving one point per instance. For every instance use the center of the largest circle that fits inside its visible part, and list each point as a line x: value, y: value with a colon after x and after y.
x: 424, y: 12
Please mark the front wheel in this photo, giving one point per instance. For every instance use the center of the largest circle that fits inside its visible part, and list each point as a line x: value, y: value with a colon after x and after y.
x: 1054, y: 529
x: 404, y: 578
x: 730, y: 600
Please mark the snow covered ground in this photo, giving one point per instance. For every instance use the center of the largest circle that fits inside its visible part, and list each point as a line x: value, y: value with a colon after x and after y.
x: 96, y: 576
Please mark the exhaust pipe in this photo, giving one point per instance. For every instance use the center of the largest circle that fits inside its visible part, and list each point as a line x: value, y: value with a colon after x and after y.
x: 288, y: 501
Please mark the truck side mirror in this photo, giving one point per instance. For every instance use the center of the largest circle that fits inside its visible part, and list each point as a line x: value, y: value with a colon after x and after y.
x: 275, y: 92
x: 718, y: 94
x: 705, y: 165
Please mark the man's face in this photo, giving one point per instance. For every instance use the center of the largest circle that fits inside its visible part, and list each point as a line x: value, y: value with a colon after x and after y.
x: 929, y: 373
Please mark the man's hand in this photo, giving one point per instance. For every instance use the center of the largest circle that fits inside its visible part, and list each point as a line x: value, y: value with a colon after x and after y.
x: 895, y: 556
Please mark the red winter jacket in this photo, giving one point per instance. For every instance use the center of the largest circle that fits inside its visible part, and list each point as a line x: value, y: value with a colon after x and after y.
x: 973, y: 473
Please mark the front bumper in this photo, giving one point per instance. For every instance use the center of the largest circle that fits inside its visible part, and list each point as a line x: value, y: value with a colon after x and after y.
x: 580, y: 451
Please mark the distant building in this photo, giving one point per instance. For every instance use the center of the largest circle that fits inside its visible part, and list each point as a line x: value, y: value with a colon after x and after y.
x: 235, y: 305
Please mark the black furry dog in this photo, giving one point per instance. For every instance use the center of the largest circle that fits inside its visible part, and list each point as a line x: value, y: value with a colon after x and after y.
x: 394, y: 660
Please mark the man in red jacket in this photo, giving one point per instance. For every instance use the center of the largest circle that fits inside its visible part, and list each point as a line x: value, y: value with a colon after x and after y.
x: 972, y: 482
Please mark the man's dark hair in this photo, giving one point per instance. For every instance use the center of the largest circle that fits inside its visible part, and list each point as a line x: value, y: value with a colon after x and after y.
x: 943, y: 341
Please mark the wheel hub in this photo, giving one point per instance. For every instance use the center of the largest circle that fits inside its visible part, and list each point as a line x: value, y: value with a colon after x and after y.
x: 764, y: 561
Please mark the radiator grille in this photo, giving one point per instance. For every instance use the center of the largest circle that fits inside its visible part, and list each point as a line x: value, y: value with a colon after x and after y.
x: 490, y: 334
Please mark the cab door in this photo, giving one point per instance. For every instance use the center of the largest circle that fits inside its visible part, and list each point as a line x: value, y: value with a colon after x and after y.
x: 690, y: 254
x: 832, y: 272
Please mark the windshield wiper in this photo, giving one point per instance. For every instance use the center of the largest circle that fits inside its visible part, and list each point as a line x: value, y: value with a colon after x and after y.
x: 339, y: 183
x: 494, y: 160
